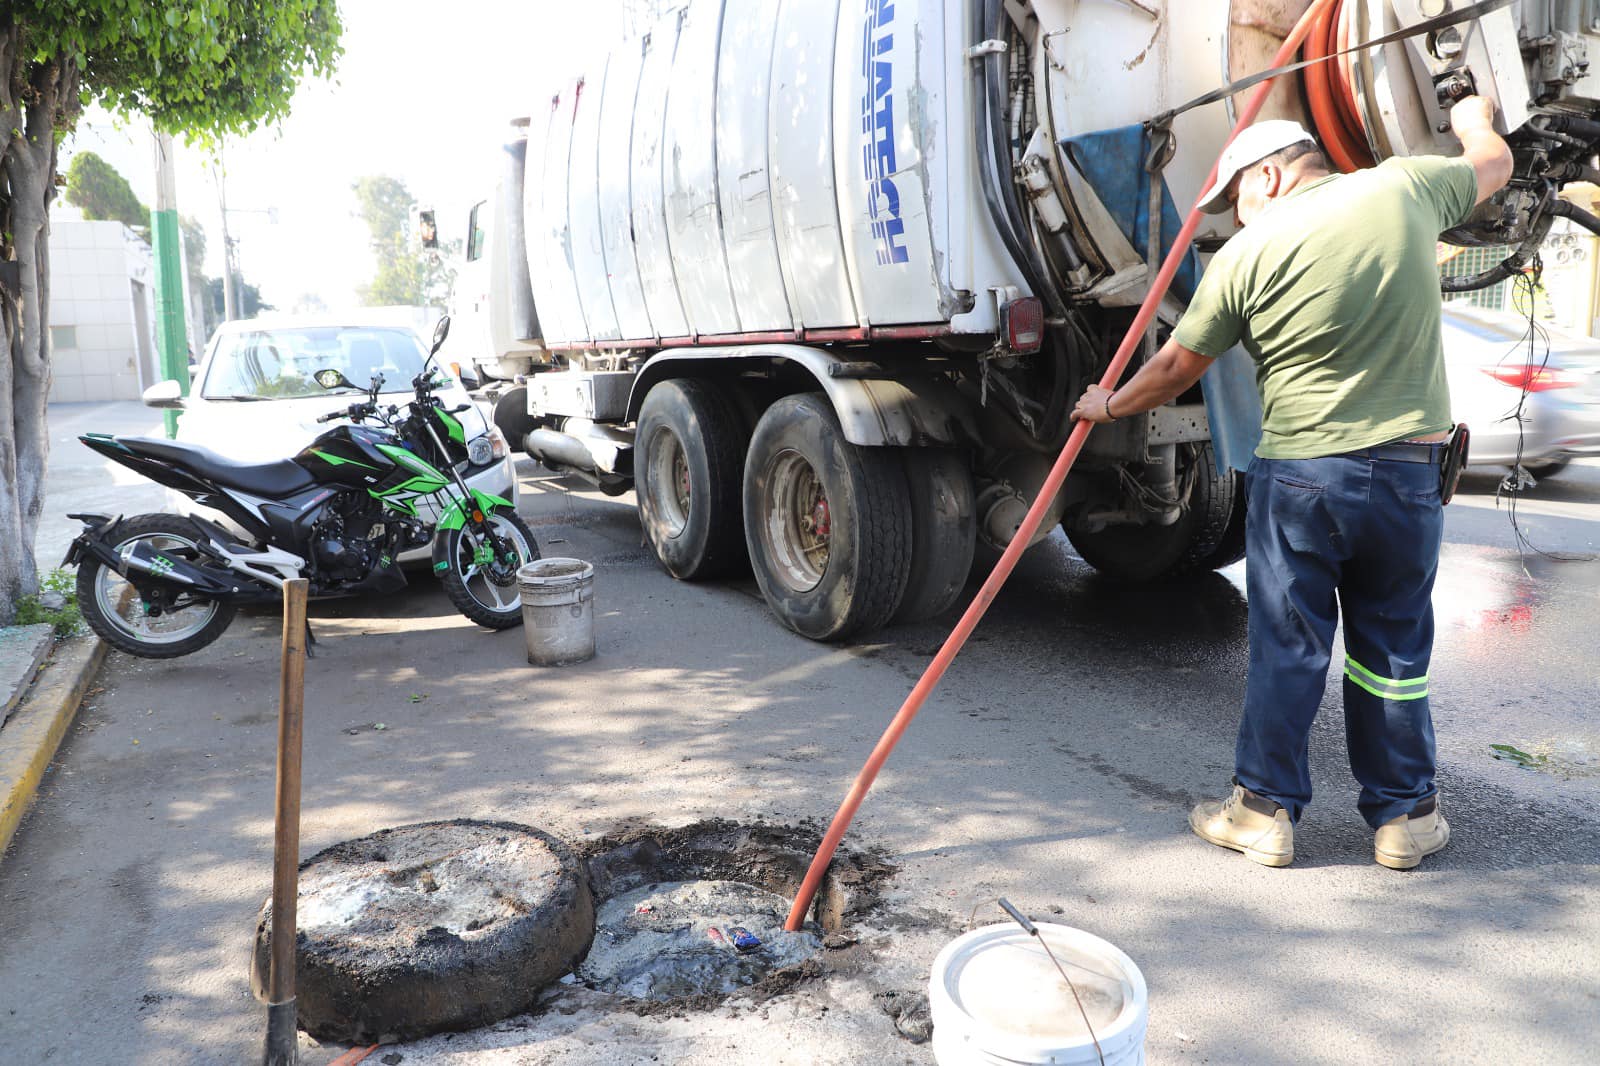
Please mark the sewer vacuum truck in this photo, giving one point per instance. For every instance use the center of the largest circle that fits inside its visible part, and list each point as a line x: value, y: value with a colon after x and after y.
x: 821, y: 279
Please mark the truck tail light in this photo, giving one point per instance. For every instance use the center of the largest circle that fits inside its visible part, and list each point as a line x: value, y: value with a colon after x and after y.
x: 1532, y: 378
x: 1022, y: 323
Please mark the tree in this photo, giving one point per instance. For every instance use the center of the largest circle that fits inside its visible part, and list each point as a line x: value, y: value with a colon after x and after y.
x: 194, y: 255
x: 407, y: 274
x: 97, y: 189
x: 250, y: 301
x: 202, y: 68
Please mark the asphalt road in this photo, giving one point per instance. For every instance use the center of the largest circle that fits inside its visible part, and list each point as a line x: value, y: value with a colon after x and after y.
x: 1055, y: 767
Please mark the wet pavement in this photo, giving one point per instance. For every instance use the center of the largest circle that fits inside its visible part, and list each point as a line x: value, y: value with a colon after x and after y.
x: 1054, y: 767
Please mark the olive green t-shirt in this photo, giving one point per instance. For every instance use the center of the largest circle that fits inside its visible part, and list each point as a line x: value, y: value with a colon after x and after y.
x: 1334, y: 290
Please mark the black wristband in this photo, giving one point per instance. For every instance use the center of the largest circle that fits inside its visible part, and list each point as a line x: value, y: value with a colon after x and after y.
x: 1109, y: 416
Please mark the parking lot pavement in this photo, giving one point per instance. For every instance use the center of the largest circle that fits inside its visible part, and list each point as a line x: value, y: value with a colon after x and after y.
x: 1054, y: 767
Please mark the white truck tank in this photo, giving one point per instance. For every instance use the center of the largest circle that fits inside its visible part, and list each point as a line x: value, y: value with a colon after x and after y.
x: 766, y: 169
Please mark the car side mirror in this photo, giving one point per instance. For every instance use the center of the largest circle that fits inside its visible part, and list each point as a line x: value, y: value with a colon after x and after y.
x: 330, y: 378
x: 164, y: 395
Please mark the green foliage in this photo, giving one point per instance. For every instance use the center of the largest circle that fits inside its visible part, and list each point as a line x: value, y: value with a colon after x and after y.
x: 65, y: 619
x: 250, y: 302
x: 407, y: 274
x: 194, y: 255
x: 1526, y: 760
x: 201, y: 68
x: 101, y: 192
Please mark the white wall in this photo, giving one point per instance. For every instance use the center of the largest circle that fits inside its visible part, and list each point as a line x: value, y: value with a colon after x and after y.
x: 96, y: 351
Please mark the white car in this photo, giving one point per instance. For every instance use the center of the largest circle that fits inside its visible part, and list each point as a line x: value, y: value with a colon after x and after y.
x: 1542, y: 401
x: 253, y: 397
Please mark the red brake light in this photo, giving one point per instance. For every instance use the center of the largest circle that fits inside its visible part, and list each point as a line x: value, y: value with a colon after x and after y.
x: 1532, y: 378
x: 1022, y: 321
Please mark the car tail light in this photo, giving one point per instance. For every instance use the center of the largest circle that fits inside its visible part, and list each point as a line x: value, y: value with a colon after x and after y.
x: 1022, y: 322
x: 1533, y: 378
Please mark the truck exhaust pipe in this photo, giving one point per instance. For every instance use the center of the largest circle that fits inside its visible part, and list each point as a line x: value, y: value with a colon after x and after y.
x: 559, y: 449
x: 566, y: 453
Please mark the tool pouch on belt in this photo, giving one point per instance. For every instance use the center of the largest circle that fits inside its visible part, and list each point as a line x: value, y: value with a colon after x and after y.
x: 1453, y: 461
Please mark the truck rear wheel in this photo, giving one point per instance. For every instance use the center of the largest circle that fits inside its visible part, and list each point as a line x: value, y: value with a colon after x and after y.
x: 1204, y: 537
x: 944, y: 529
x: 687, y: 473
x: 511, y: 417
x: 828, y: 524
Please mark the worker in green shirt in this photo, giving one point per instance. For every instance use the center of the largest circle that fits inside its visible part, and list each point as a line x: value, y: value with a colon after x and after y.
x: 1332, y: 287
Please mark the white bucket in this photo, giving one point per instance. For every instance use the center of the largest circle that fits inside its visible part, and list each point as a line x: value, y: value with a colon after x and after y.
x: 558, y: 610
x: 997, y: 1000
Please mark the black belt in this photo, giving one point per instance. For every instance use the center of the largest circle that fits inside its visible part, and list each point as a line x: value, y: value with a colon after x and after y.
x: 1406, y: 451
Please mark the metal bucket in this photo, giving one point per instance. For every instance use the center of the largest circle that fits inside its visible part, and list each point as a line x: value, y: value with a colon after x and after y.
x: 558, y: 610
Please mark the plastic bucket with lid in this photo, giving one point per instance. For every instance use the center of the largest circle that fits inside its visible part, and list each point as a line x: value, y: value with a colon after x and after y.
x: 997, y: 1000
x: 558, y: 610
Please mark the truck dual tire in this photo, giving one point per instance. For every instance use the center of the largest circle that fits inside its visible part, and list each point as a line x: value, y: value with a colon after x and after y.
x: 1209, y: 534
x: 688, y: 475
x: 511, y: 417
x: 828, y: 524
x: 944, y: 531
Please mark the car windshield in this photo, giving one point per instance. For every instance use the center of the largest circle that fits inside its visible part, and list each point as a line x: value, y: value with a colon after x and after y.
x: 272, y: 364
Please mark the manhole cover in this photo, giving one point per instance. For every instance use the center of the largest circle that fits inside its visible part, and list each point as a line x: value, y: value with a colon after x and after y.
x: 443, y: 925
x: 692, y: 938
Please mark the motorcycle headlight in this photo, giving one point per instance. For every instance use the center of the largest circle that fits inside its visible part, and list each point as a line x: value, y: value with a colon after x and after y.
x: 480, y: 451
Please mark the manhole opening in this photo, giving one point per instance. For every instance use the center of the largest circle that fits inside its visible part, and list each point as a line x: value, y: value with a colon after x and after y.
x: 671, y: 905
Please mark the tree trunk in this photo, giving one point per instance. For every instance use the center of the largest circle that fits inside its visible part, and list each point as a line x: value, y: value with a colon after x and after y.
x: 36, y: 99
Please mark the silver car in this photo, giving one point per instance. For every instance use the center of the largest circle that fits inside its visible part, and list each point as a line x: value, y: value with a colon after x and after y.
x: 1549, y: 397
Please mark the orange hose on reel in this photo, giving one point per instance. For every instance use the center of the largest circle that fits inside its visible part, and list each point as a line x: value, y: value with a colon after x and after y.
x: 1333, y: 107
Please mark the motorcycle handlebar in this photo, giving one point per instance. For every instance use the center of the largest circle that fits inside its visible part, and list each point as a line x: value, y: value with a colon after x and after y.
x: 331, y: 415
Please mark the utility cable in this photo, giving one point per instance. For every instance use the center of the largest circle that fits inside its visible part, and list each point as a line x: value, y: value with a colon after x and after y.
x: 1512, y: 486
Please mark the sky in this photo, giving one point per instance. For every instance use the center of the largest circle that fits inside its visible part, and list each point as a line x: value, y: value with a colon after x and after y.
x: 424, y: 93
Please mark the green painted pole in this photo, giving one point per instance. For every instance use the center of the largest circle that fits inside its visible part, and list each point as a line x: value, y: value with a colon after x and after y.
x: 171, y: 336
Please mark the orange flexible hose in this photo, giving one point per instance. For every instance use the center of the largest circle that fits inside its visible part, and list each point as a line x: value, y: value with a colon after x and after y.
x: 1333, y: 108
x: 1030, y: 524
x: 1344, y: 79
x: 353, y: 1056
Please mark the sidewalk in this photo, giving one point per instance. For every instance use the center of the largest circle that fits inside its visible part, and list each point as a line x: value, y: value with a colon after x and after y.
x: 80, y: 480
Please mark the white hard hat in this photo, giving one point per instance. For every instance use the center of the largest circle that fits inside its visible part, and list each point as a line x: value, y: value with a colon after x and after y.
x: 1252, y: 145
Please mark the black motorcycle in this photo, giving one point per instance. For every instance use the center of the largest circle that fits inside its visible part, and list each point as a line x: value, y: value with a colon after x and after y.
x: 340, y: 514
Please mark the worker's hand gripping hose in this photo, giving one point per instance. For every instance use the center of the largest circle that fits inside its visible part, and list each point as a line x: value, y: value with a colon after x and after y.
x: 1030, y: 525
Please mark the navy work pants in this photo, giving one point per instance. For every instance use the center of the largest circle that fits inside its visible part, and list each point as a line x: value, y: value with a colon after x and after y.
x: 1357, y: 537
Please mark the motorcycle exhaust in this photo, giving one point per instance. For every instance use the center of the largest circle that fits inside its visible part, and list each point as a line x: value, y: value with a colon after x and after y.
x: 140, y: 557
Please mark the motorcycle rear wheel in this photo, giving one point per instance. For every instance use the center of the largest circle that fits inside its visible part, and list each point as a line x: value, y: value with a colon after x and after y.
x: 121, y: 618
x: 487, y: 592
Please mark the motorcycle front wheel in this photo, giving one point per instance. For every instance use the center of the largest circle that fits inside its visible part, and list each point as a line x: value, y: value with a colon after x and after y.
x: 480, y: 574
x: 151, y: 630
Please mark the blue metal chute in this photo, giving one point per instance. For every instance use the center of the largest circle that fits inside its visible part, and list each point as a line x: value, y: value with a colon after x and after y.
x: 1113, y: 163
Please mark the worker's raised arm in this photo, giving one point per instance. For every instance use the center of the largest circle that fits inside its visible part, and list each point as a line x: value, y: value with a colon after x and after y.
x: 1490, y: 156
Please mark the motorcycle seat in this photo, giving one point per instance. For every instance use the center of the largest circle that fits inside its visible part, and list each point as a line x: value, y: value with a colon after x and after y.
x: 273, y: 480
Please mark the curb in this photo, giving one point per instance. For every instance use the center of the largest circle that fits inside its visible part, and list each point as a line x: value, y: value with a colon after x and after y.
x: 35, y: 730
